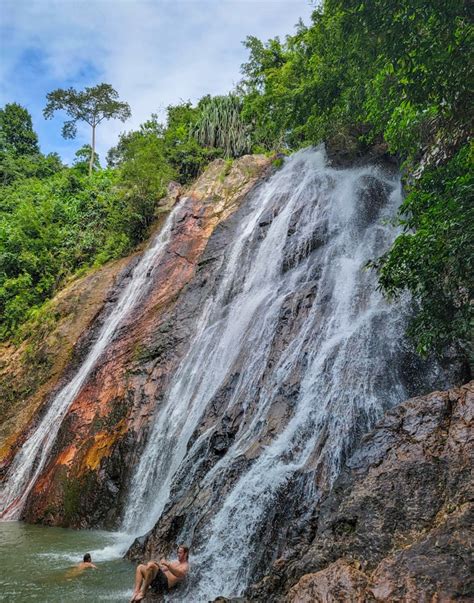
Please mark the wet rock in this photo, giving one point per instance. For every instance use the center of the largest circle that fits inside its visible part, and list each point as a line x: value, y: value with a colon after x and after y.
x: 396, y: 525
x: 372, y: 195
x: 346, y: 150
x: 137, y: 544
x: 436, y: 567
x: 173, y: 190
x: 31, y: 372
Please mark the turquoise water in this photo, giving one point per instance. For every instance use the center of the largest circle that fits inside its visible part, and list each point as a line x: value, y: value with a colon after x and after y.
x: 37, y: 564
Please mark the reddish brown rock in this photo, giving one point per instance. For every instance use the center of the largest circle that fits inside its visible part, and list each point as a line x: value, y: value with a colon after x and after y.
x: 338, y: 582
x: 435, y: 568
x: 31, y: 371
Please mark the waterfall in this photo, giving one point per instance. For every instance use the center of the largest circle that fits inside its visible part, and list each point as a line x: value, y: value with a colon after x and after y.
x: 309, y: 228
x: 31, y: 458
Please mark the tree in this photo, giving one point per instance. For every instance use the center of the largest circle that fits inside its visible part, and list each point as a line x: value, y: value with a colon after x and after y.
x: 16, y: 131
x: 91, y: 105
x: 122, y: 153
x: 144, y: 171
x: 183, y: 151
x: 220, y: 125
x: 20, y: 155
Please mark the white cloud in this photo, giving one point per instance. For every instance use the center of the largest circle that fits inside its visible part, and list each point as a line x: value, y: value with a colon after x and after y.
x: 155, y: 53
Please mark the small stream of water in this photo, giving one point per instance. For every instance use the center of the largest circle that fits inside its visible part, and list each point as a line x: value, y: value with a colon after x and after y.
x: 30, y: 460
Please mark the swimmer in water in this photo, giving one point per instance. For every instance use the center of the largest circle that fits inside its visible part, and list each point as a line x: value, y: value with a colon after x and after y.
x: 86, y: 563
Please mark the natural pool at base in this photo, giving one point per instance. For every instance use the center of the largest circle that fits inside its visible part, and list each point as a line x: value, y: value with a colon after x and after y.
x: 36, y: 563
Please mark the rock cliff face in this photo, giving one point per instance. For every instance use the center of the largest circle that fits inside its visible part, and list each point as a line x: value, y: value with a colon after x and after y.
x: 397, y: 525
x: 104, y: 430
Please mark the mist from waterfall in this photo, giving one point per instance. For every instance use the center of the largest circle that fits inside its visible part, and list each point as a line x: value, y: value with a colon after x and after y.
x: 30, y: 460
x: 308, y: 228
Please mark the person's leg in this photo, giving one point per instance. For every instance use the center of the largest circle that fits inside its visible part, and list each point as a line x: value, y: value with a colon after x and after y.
x: 153, y: 564
x: 139, y: 578
x: 149, y: 574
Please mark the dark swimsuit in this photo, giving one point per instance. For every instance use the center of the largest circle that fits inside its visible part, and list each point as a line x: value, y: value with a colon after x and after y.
x: 159, y: 584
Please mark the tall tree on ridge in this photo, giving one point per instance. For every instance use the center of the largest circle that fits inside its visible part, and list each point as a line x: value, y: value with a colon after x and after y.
x: 91, y: 105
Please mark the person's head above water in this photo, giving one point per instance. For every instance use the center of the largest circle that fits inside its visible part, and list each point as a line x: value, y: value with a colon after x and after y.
x: 183, y: 553
x: 87, y: 558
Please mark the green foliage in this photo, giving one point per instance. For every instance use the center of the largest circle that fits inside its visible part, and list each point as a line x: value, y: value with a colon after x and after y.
x: 17, y: 136
x: 307, y: 89
x: 266, y: 99
x: 423, y: 71
x: 148, y: 159
x: 187, y: 157
x: 82, y: 158
x: 143, y: 174
x: 367, y: 69
x: 434, y: 257
x: 277, y: 162
x: 13, y: 168
x: 49, y: 229
x: 19, y: 151
x: 221, y: 126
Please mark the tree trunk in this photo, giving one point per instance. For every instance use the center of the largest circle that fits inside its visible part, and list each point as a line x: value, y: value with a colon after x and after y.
x: 91, y: 161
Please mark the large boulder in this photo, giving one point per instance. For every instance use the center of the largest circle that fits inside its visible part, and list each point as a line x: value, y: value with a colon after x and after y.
x: 397, y: 525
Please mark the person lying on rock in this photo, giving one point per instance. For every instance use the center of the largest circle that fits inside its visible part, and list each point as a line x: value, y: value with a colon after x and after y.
x: 161, y: 576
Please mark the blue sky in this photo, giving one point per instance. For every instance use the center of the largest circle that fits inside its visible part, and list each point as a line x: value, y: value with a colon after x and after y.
x: 154, y: 52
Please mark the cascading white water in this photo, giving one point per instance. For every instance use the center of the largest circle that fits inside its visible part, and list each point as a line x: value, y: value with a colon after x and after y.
x: 31, y: 458
x: 321, y: 233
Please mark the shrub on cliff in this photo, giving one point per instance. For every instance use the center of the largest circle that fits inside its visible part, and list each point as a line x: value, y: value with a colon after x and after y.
x: 185, y: 154
x: 143, y: 172
x: 220, y: 125
x: 434, y: 257
x: 49, y: 229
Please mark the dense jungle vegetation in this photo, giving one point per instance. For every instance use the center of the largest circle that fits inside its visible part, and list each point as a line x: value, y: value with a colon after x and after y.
x: 393, y: 75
